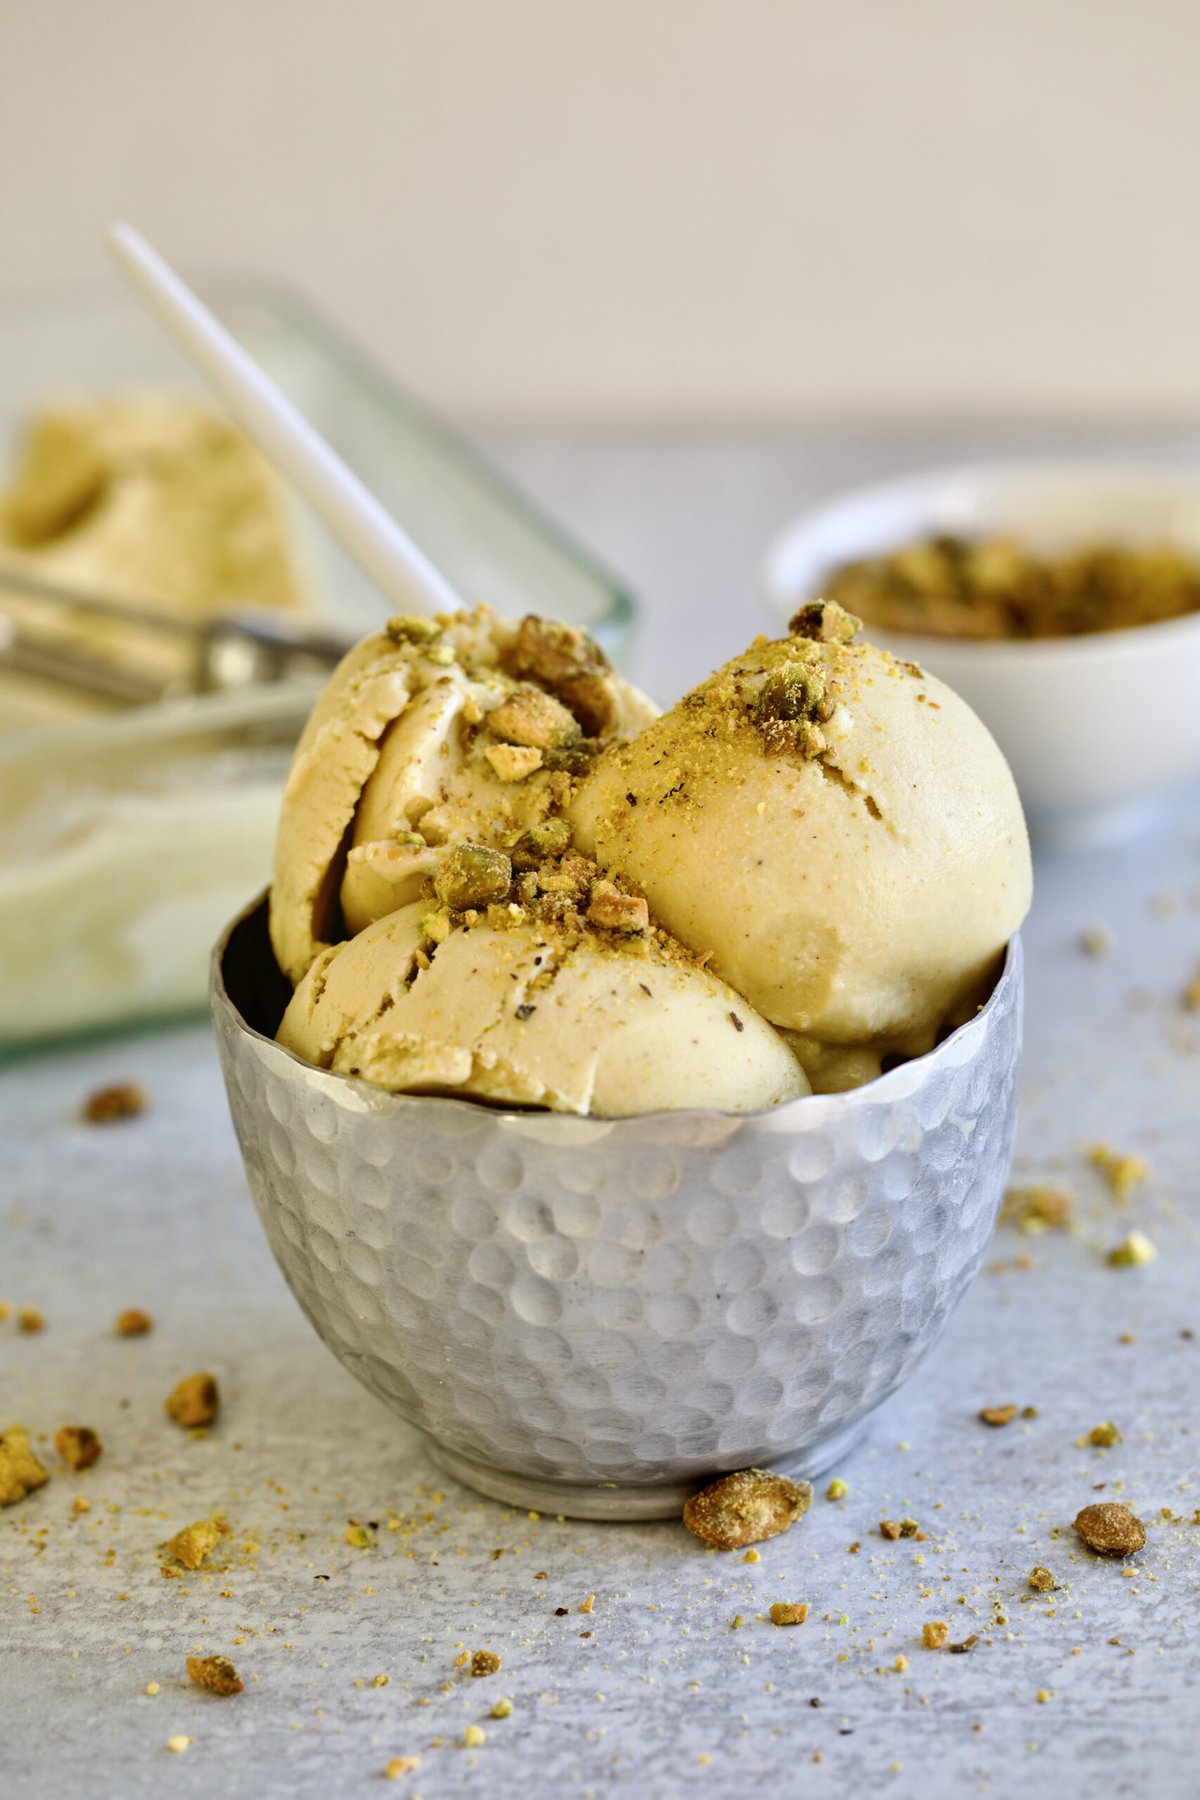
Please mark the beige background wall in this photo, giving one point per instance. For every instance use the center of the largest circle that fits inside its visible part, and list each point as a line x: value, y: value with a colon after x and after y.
x: 650, y: 208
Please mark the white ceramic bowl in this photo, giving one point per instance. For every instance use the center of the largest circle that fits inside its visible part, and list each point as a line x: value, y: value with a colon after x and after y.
x: 1097, y: 729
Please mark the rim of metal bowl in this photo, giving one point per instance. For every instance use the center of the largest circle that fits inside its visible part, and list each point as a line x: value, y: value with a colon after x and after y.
x: 892, y: 1085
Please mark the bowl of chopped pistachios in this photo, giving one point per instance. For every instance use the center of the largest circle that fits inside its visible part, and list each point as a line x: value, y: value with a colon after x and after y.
x: 1062, y: 601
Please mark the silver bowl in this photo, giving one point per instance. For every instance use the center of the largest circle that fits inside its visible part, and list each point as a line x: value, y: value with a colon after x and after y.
x: 591, y: 1316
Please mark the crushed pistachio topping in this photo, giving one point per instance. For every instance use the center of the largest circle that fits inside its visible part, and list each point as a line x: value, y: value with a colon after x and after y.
x: 78, y: 1445
x: 216, y: 1673
x: 513, y: 762
x: 20, y: 1470
x: 564, y: 659
x: 484, y: 1662
x: 532, y: 717
x: 397, y: 1767
x: 194, y: 1401
x: 617, y: 911
x: 934, y: 1634
x: 1042, y: 1580
x: 541, y: 843
x: 837, y: 1489
x: 826, y: 622
x: 1110, y: 1529
x: 472, y: 875
x: 789, y: 1612
x: 746, y: 1508
x: 413, y: 628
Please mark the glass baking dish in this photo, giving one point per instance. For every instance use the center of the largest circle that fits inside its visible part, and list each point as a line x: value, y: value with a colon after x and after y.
x: 126, y: 839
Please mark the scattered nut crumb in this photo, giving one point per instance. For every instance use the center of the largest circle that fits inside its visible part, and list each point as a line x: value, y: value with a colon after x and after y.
x: 179, y: 1743
x: 216, y: 1673
x: 20, y: 1470
x: 473, y: 1736
x: 78, y: 1445
x: 1123, y: 1173
x: 998, y: 1415
x: 934, y: 1633
x: 746, y: 1508
x: 133, y: 1322
x: 1133, y: 1250
x: 1110, y: 1529
x: 152, y: 1688
x: 1191, y: 994
x: 195, y: 1542
x: 358, y: 1536
x: 1095, y: 940
x: 30, y: 1321
x: 194, y: 1401
x: 889, y: 1528
x: 1041, y: 1580
x: 617, y: 911
x: 399, y: 1766
x: 124, y: 1100
x: 789, y: 1612
x: 588, y: 1605
x: 1104, y: 1435
x: 837, y: 1489
x: 80, y: 1505
x: 1037, y: 1209
x: 966, y: 1646
x: 484, y: 1662
x: 512, y: 762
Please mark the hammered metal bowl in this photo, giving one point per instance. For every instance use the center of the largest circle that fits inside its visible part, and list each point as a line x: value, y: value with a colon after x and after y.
x: 591, y: 1316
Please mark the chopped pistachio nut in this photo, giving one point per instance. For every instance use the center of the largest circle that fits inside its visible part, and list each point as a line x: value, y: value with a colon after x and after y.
x: 124, y: 1100
x: 789, y: 1612
x: 617, y: 911
x: 194, y: 1401
x: 30, y: 1321
x: 794, y: 691
x: 934, y: 1634
x: 413, y: 628
x: 825, y: 621
x: 194, y: 1543
x: 78, y: 1445
x: 133, y: 1322
x: 472, y: 875
x: 20, y: 1470
x: 513, y: 762
x: 1104, y: 1435
x: 358, y: 1536
x: 1133, y: 1250
x: 837, y: 1489
x: 179, y: 1743
x: 400, y: 1766
x: 1123, y: 1173
x: 541, y: 843
x: 998, y: 1415
x: 484, y: 1662
x: 746, y: 1508
x: 1037, y: 1209
x: 502, y: 1709
x: 216, y: 1673
x: 889, y: 1528
x: 1042, y: 1580
x: 531, y: 717
x: 435, y: 927
x: 1110, y: 1529
x: 473, y: 1736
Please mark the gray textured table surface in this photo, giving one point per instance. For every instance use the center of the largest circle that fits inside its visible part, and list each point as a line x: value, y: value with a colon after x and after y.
x: 652, y: 1692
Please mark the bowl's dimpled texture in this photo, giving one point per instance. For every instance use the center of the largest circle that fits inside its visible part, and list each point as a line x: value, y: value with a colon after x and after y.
x: 639, y: 1301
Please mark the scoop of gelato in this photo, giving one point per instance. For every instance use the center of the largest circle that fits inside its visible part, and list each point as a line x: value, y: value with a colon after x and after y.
x: 433, y: 731
x: 836, y: 828
x: 570, y: 1001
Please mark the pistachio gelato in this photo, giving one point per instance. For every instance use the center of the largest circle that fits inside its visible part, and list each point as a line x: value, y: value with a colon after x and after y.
x: 836, y: 828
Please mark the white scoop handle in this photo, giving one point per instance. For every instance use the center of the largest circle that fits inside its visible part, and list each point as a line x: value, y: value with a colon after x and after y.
x: 370, y: 534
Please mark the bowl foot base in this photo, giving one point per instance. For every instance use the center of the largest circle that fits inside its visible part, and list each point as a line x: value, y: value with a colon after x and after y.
x: 615, y: 1500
